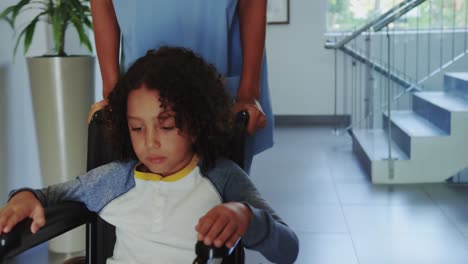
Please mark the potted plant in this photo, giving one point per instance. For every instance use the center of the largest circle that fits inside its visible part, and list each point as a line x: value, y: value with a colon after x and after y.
x: 62, y: 88
x: 59, y: 14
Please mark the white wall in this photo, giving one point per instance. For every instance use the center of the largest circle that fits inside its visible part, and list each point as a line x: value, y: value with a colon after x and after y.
x: 3, y: 133
x: 22, y: 166
x: 17, y: 130
x: 4, y: 152
x: 4, y: 157
x: 300, y: 69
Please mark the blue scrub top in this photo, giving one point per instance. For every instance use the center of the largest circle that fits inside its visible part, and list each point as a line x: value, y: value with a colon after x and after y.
x: 208, y: 27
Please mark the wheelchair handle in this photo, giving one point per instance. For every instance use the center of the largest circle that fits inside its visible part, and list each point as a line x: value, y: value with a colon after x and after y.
x: 205, y: 254
x: 242, y: 118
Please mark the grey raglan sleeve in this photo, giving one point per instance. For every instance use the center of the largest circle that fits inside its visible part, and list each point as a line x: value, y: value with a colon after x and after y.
x: 68, y: 191
x: 267, y: 233
x: 95, y: 188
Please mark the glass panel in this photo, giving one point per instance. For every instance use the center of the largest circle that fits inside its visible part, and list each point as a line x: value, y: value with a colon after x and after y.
x: 347, y: 15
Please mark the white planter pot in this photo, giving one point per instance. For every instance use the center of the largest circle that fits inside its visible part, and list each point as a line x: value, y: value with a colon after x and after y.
x: 62, y: 91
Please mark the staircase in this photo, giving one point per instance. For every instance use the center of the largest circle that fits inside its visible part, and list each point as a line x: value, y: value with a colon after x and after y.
x: 428, y: 143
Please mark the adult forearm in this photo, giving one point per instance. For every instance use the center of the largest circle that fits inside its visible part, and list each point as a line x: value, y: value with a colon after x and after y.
x: 107, y: 37
x: 252, y: 16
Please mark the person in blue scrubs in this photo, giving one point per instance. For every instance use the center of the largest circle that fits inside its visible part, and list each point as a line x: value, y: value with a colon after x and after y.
x: 229, y: 34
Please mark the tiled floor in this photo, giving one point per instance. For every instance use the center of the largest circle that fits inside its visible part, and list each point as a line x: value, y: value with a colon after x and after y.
x: 318, y: 187
x: 315, y: 183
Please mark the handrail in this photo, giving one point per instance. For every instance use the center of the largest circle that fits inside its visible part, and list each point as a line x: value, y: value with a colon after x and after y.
x: 396, y: 15
x: 408, y: 87
x: 384, y: 19
x: 380, y: 69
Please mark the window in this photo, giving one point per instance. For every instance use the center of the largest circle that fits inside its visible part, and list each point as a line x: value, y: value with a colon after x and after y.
x: 349, y: 15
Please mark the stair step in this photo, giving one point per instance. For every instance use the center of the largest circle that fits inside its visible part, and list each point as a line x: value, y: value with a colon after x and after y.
x: 414, y: 125
x: 431, y: 110
x: 371, y: 148
x: 444, y: 100
x: 407, y: 125
x: 422, y: 142
x: 456, y: 83
x: 437, y: 107
x: 374, y: 143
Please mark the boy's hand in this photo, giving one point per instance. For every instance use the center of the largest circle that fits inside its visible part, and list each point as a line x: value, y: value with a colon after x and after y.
x: 224, y: 224
x: 22, y: 205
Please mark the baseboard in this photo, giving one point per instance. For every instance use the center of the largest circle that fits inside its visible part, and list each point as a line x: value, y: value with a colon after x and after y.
x: 312, y: 120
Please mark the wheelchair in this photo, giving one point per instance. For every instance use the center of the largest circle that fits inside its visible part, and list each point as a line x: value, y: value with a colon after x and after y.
x: 100, y: 235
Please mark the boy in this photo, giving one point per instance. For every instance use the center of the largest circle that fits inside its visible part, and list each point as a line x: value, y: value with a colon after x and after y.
x: 171, y: 119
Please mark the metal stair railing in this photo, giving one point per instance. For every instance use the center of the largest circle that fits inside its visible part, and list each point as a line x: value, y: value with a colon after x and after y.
x: 385, y: 70
x: 381, y: 21
x: 386, y: 18
x: 376, y: 25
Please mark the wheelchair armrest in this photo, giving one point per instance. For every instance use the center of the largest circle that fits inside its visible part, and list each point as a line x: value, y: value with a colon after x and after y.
x: 59, y: 219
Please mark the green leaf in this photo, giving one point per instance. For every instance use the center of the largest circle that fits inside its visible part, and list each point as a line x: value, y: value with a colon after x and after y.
x: 18, y: 40
x: 79, y: 28
x: 29, y: 34
x: 86, y: 9
x: 61, y: 13
x: 17, y: 9
x: 88, y: 23
x: 30, y: 31
x: 6, y: 12
x: 75, y: 3
x: 87, y: 42
x: 57, y: 27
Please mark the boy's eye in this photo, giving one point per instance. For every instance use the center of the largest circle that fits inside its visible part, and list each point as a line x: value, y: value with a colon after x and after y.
x: 136, y: 129
x: 167, y: 124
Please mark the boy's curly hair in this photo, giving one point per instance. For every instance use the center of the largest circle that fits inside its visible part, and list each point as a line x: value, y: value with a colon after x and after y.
x: 195, y: 91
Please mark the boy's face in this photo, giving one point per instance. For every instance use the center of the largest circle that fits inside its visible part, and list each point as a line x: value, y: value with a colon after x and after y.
x: 157, y: 142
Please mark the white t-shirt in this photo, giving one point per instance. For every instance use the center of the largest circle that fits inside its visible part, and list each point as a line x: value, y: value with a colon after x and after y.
x: 155, y: 221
